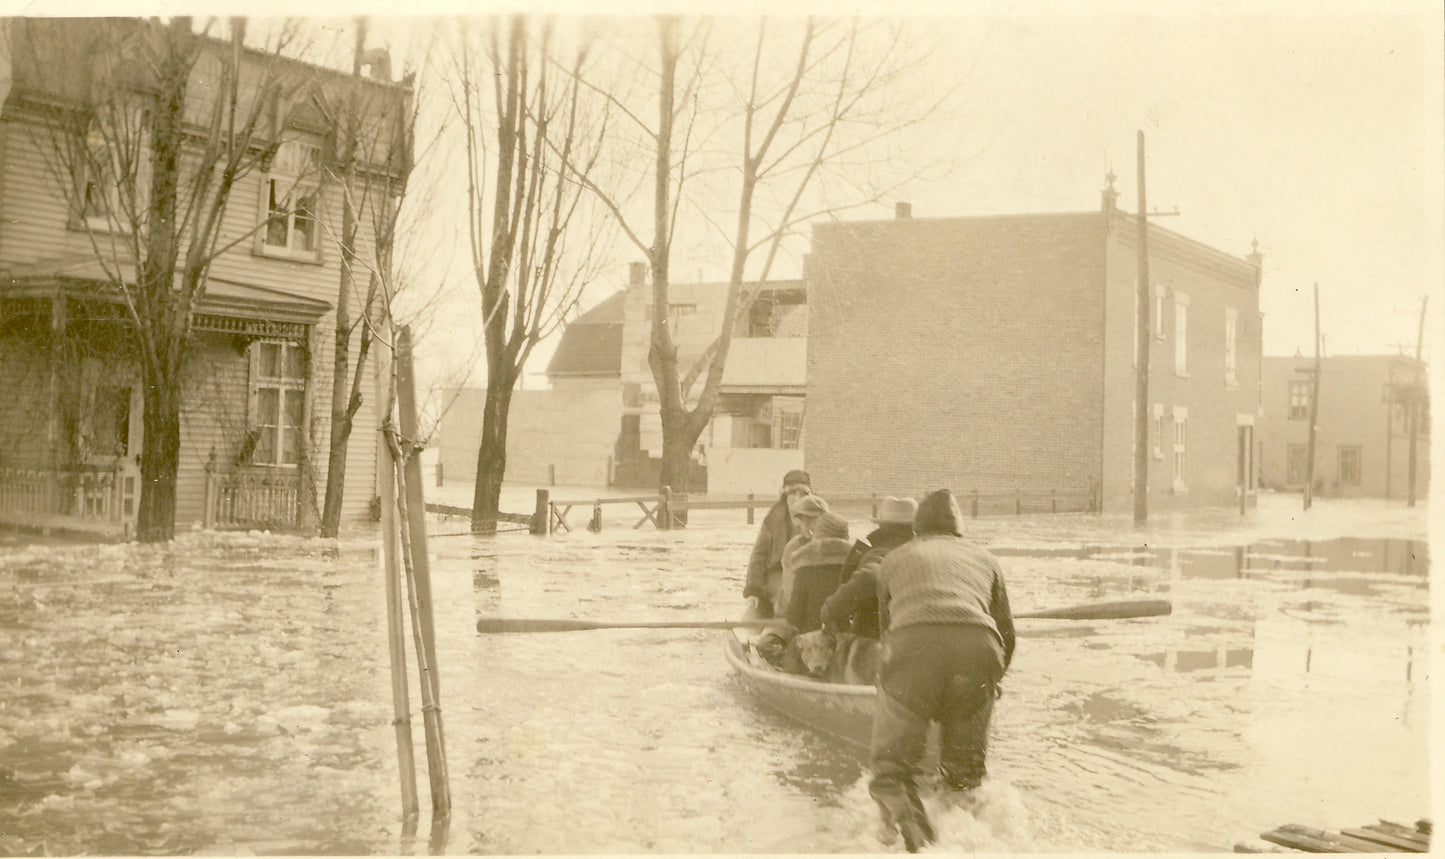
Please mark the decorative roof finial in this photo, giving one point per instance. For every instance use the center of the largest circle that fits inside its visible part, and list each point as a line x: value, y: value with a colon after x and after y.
x: 1110, y: 196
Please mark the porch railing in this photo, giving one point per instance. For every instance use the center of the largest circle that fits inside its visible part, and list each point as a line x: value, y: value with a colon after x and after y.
x: 85, y: 498
x: 251, y: 499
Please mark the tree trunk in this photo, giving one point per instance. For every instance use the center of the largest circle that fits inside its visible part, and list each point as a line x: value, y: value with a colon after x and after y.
x: 335, y: 473
x: 306, y: 509
x: 679, y: 437
x: 491, y: 457
x: 160, y: 459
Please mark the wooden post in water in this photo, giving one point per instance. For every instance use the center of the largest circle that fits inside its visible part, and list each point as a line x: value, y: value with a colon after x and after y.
x: 396, y: 641
x: 415, y: 497
x: 542, y: 513
x: 431, y: 711
x: 412, y: 510
x: 750, y: 508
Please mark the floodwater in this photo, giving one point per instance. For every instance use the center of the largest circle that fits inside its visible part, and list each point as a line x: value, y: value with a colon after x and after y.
x: 230, y: 694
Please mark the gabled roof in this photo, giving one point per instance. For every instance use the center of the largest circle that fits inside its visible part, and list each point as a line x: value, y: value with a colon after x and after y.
x: 591, y: 344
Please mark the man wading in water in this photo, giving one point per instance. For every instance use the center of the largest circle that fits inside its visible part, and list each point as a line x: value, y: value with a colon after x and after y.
x: 948, y: 638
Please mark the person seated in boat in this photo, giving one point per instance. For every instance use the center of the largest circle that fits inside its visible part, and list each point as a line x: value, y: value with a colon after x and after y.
x: 765, y: 565
x: 805, y: 512
x: 853, y: 607
x: 817, y: 570
x: 948, y: 638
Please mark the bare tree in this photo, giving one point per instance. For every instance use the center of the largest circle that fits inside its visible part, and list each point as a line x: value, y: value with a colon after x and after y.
x: 532, y: 253
x: 806, y: 115
x: 153, y: 126
x: 373, y: 164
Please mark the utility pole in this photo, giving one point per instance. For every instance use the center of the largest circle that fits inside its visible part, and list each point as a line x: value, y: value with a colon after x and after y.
x: 1417, y: 397
x: 1314, y: 407
x: 1146, y: 339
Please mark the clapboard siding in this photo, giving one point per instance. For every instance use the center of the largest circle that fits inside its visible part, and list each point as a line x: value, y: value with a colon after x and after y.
x: 318, y: 280
x: 213, y: 417
x: 35, y: 227
x: 37, y: 214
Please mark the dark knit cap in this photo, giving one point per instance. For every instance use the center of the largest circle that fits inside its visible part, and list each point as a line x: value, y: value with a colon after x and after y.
x: 831, y: 525
x: 938, y: 514
x: 797, y: 475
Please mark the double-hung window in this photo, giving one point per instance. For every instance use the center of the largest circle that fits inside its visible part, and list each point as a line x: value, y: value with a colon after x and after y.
x: 290, y: 196
x: 1181, y: 437
x: 113, y: 173
x: 278, y: 389
x: 1181, y: 334
x: 1299, y: 399
x: 1159, y: 430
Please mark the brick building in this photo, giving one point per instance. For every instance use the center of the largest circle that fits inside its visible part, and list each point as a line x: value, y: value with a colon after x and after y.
x: 1362, y: 445
x: 998, y: 354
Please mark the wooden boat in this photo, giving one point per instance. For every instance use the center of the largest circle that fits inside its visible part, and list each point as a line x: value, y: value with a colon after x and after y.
x: 840, y: 710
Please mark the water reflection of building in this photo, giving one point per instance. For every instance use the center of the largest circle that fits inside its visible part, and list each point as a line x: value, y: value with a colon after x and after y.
x: 1185, y: 661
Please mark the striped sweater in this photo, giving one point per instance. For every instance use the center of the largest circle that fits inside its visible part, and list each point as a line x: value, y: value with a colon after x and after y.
x: 939, y: 578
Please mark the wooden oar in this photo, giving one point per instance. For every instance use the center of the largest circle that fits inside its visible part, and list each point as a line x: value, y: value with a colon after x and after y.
x: 555, y: 624
x: 1104, y: 611
x: 1095, y: 611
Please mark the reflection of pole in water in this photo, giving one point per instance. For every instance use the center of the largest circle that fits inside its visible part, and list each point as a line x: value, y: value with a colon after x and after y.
x: 1239, y: 555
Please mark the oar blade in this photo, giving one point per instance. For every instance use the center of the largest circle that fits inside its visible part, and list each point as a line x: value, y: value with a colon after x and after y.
x: 1105, y: 611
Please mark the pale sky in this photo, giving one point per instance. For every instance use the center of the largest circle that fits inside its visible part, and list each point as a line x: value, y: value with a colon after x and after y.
x: 1320, y: 135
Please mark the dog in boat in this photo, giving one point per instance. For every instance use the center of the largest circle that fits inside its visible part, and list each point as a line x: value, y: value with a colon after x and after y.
x: 843, y: 658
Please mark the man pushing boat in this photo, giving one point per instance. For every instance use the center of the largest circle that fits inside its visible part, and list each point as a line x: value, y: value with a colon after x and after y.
x: 948, y: 638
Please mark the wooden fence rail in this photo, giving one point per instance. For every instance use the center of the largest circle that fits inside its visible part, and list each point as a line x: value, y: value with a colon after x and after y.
x: 668, y: 509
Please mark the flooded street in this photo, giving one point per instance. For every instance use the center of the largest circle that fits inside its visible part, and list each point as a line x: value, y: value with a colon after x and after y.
x: 229, y: 694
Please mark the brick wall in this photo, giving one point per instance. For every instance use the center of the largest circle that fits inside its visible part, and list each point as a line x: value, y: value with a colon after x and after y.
x: 964, y: 352
x: 1352, y: 413
x: 562, y: 437
x: 1209, y: 282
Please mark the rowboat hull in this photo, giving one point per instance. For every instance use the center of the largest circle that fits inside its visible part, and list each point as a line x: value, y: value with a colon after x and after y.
x: 840, y: 710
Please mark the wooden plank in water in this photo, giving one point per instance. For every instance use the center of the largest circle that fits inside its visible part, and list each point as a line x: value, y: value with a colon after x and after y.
x: 1388, y: 840
x: 1302, y: 842
x: 1340, y: 843
x: 1389, y: 827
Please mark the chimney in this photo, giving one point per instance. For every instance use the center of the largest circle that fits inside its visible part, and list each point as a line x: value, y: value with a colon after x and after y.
x: 636, y: 273
x: 1110, y: 196
x: 378, y: 63
x: 902, y: 210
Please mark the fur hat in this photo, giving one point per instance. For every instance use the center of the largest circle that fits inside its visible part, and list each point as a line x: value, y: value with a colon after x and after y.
x: 831, y: 525
x: 938, y: 514
x: 896, y: 511
x: 808, y: 505
x: 797, y: 475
